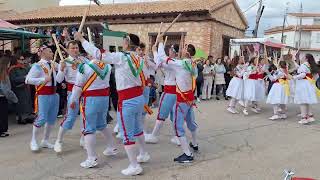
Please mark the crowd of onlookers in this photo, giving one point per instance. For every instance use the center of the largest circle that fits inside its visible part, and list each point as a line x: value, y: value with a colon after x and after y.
x: 213, y: 77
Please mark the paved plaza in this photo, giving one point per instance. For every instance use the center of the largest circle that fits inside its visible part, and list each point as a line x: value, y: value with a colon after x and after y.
x: 232, y: 147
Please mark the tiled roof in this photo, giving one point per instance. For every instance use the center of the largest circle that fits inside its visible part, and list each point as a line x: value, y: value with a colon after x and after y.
x: 120, y: 9
x: 278, y: 29
x: 310, y: 15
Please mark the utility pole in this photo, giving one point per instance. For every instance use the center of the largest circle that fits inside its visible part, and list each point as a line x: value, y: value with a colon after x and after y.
x: 284, y: 22
x: 300, y: 26
x: 259, y: 15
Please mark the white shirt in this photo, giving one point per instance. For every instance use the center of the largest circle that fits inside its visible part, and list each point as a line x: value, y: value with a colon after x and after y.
x: 69, y: 74
x: 82, y: 78
x: 123, y: 75
x: 279, y: 74
x: 169, y: 73
x: 240, y: 70
x: 303, y: 70
x: 148, y: 69
x: 207, y: 69
x: 36, y: 75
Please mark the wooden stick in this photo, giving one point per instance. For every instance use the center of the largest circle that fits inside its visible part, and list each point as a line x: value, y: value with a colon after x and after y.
x: 84, y: 19
x: 89, y: 35
x: 58, y: 47
x: 159, y: 31
x: 172, y: 23
x: 117, y: 48
x: 55, y: 56
x: 64, y: 49
x: 181, y: 46
x: 165, y: 41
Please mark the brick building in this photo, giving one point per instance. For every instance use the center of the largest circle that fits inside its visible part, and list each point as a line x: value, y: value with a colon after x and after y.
x: 208, y: 24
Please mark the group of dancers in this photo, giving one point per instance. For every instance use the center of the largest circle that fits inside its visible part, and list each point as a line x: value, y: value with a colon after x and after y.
x: 88, y: 91
x: 248, y: 87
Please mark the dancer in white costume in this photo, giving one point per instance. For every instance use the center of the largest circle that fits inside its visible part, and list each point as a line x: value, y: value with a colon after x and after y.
x: 306, y: 90
x: 236, y: 86
x: 280, y: 91
x: 251, y: 86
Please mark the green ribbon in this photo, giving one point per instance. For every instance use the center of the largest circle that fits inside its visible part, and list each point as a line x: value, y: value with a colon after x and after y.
x: 135, y: 72
x: 102, y: 73
x: 188, y: 66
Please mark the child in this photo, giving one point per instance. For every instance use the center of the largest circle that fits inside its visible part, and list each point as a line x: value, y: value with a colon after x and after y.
x: 279, y: 92
x: 236, y: 86
x: 305, y: 90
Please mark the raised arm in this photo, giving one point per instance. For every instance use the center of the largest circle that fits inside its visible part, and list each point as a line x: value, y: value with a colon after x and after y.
x: 34, y: 76
x: 81, y: 79
x: 62, y: 71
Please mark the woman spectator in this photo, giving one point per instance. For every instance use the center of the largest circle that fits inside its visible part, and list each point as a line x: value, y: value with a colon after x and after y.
x: 5, y: 95
x: 228, y: 75
x: 17, y: 73
x: 208, y: 72
x: 220, y: 82
x: 199, y: 80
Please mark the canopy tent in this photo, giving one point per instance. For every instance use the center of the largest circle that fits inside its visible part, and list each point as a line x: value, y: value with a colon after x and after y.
x: 5, y: 24
x: 12, y: 34
x: 16, y: 34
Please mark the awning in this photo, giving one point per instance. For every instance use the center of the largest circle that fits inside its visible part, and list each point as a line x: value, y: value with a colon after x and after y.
x: 5, y: 24
x: 11, y: 34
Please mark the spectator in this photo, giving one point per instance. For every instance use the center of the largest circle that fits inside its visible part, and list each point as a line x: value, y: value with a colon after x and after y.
x: 17, y: 73
x: 228, y: 75
x: 220, y: 82
x: 199, y: 80
x: 5, y: 95
x: 208, y: 72
x: 212, y: 63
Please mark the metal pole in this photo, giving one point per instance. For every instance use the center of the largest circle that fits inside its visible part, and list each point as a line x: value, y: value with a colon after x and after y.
x: 259, y: 14
x: 300, y: 26
x: 284, y: 22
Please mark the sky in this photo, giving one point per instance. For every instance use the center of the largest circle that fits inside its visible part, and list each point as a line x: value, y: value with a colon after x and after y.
x: 272, y: 16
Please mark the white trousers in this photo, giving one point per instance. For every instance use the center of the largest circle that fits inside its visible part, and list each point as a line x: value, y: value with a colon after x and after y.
x: 207, y: 87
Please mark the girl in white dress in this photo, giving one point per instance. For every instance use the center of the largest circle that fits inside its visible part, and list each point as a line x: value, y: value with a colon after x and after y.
x: 236, y: 86
x: 251, y: 94
x: 306, y: 90
x: 280, y: 91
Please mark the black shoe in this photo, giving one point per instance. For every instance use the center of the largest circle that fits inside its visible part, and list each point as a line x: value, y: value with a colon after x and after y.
x: 195, y: 148
x: 226, y: 98
x: 217, y: 98
x: 4, y: 134
x: 20, y: 121
x: 29, y: 120
x: 184, y: 158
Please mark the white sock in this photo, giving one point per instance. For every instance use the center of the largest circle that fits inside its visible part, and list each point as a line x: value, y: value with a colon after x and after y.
x: 107, y: 133
x: 275, y: 109
x: 90, y: 144
x: 132, y: 154
x: 61, y: 133
x: 47, y: 131
x: 144, y: 125
x: 142, y: 144
x: 157, y: 127
x: 233, y: 102
x: 194, y: 138
x: 185, y: 145
x: 304, y: 110
x: 35, y: 132
x: 309, y: 113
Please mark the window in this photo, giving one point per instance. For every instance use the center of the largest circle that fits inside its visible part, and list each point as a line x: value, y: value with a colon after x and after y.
x: 284, y: 39
x: 318, y: 37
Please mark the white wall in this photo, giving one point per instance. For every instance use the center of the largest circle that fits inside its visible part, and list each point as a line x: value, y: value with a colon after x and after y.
x: 315, y: 39
x: 290, y: 37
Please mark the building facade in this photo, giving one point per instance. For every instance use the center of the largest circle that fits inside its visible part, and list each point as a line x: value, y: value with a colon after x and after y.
x: 208, y: 24
x: 305, y: 37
